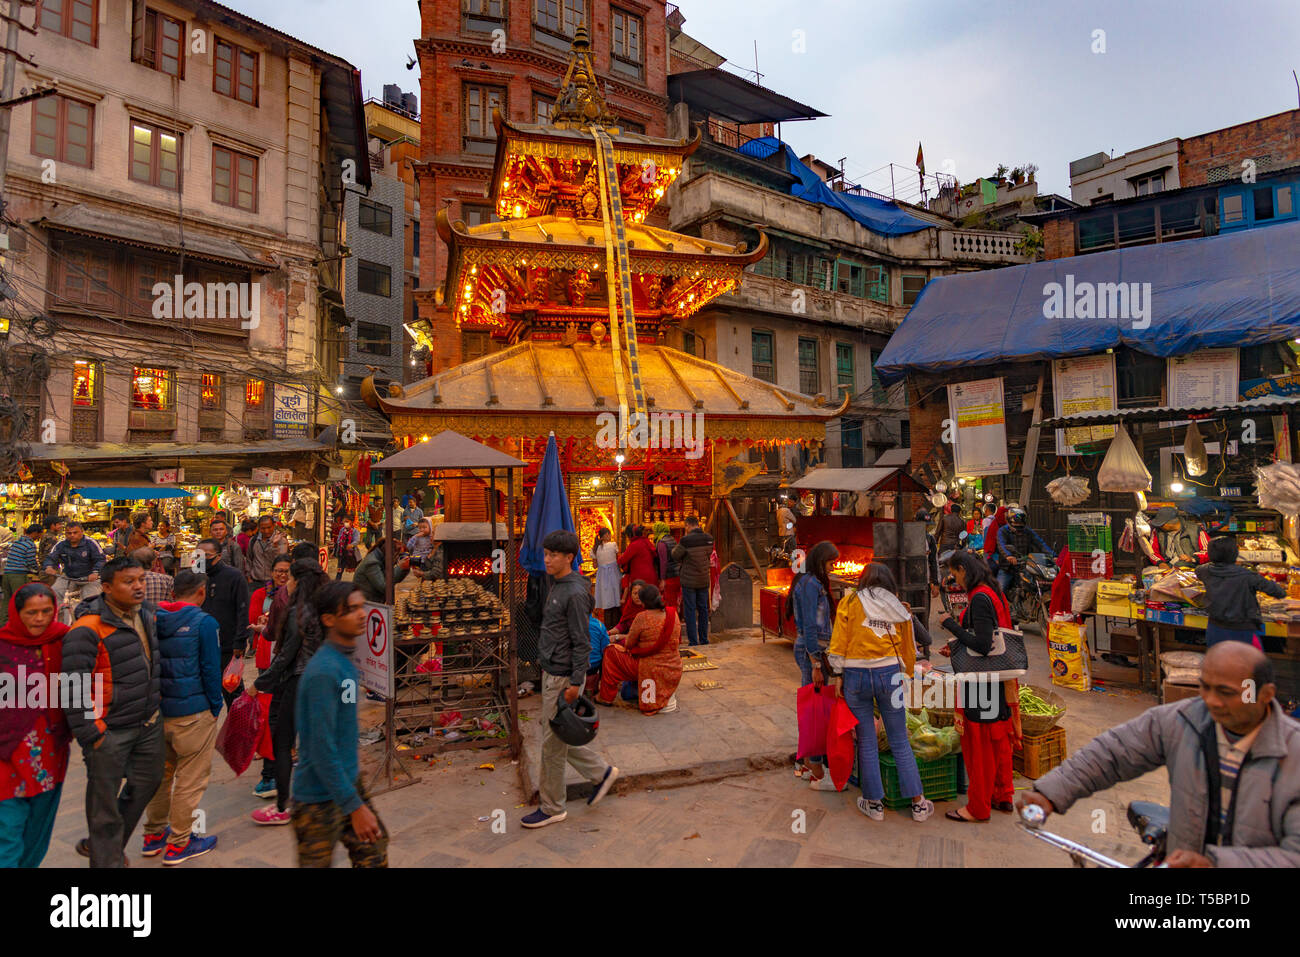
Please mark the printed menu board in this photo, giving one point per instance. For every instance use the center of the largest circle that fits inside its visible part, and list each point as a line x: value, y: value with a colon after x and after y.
x: 1083, y: 384
x: 979, y: 431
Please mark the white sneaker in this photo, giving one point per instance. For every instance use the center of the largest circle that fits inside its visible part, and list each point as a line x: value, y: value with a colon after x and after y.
x: 872, y: 809
x: 921, y: 810
x: 671, y: 706
x: 823, y: 783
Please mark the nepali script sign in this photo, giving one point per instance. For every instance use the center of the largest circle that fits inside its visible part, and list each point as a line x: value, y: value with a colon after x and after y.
x: 980, y: 427
x: 289, y: 414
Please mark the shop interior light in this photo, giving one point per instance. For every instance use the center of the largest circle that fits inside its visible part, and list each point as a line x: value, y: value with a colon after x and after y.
x: 961, y: 481
x: 1176, y: 487
x: 201, y: 498
x: 339, y: 389
x: 619, y: 458
x: 424, y: 438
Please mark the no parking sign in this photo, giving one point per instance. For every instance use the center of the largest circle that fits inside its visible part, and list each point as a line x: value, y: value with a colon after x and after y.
x: 375, y: 650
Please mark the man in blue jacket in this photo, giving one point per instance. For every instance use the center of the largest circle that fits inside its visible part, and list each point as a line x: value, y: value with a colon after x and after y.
x: 189, y: 646
x: 330, y: 803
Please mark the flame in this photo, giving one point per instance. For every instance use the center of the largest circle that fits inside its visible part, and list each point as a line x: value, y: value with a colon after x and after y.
x: 470, y: 566
x: 847, y: 568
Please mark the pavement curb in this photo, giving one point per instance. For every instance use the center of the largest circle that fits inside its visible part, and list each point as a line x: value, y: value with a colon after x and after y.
x: 705, y: 772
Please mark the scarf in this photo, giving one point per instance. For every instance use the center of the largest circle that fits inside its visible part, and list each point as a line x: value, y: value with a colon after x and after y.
x: 991, y: 536
x: 659, y: 529
x: 19, y: 648
x: 882, y: 605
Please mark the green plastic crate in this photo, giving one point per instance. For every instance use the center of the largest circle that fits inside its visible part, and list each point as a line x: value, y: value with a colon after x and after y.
x: 938, y: 779
x: 1088, y: 538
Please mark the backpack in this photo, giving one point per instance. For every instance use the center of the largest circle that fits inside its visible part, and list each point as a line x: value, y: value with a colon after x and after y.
x: 673, y: 567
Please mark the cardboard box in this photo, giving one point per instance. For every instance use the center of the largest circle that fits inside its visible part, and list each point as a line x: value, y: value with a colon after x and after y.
x: 1173, y: 693
x: 1196, y: 621
x: 1164, y: 616
x: 1113, y: 599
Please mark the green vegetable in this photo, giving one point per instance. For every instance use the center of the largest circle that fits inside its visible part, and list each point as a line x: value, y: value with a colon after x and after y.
x: 1032, y: 703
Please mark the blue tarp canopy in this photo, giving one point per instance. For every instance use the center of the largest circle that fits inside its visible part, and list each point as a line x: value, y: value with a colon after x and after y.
x: 131, y: 494
x: 878, y: 215
x: 1238, y: 289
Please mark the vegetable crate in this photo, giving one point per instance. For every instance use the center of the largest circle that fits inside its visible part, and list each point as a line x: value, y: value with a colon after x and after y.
x: 1040, y: 753
x: 1081, y: 565
x: 1088, y: 531
x: 938, y: 779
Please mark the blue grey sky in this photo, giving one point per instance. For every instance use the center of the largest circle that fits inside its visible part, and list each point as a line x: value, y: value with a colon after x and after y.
x: 976, y: 83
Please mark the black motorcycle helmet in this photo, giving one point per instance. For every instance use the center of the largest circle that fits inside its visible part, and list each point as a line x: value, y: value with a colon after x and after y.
x: 576, y: 723
x: 1016, y: 517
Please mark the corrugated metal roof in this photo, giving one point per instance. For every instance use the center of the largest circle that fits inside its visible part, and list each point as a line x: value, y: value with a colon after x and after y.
x: 1154, y: 413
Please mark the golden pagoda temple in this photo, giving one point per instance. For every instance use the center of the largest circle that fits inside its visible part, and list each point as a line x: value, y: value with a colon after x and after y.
x: 580, y: 292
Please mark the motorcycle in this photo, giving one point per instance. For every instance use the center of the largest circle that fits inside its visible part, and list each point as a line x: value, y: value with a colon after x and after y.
x: 1031, y: 589
x: 1149, y: 819
x: 70, y: 599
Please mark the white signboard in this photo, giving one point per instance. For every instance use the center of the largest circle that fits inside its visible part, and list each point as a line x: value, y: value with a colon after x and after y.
x: 979, y: 427
x: 374, y: 657
x: 1084, y: 384
x: 289, y: 413
x: 1204, y: 378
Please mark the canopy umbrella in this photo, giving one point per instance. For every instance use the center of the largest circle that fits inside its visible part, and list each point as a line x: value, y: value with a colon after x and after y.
x: 548, y: 512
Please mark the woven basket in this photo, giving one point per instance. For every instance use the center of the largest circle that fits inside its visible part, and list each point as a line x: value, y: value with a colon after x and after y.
x: 1037, y: 724
x: 942, y: 717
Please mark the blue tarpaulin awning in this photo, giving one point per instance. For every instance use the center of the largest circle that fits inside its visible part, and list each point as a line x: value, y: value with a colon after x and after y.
x: 1237, y: 289
x: 131, y: 493
x: 878, y: 215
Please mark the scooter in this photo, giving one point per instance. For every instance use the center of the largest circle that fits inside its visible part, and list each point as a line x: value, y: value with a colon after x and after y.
x: 1149, y: 819
x: 1031, y: 589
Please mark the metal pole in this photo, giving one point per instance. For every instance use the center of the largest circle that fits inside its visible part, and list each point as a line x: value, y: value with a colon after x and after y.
x: 7, y: 91
x: 516, y: 739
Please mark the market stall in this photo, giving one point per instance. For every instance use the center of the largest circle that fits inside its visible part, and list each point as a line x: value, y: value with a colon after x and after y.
x: 832, y: 513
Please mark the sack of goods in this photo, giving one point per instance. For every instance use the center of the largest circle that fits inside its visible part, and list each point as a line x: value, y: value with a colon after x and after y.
x: 1279, y: 487
x: 1067, y: 649
x: 1070, y: 490
x: 1122, y: 470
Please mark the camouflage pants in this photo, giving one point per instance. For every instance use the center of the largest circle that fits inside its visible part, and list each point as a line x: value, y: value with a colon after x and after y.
x: 321, y: 826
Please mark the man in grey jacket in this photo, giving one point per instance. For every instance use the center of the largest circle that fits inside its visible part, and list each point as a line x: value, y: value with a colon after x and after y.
x: 1234, y: 766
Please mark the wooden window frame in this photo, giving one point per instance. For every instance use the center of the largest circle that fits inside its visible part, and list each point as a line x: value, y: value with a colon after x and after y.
x: 371, y: 327
x: 622, y: 63
x: 155, y: 154
x: 235, y: 158
x: 753, y: 362
x: 481, y: 139
x: 67, y: 19
x: 474, y: 20
x: 379, y: 269
x: 236, y: 53
x: 554, y: 36
x: 146, y: 43
x: 372, y: 206
x: 902, y: 287
x: 853, y: 368
x: 816, y: 369
x: 168, y: 374
x: 61, y: 130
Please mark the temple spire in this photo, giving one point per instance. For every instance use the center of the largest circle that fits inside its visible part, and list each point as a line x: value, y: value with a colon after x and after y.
x: 580, y: 103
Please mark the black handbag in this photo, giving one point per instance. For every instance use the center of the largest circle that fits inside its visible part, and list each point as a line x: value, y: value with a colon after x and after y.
x: 1007, y: 658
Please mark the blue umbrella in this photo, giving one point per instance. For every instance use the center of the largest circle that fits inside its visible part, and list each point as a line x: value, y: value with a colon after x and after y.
x: 548, y: 512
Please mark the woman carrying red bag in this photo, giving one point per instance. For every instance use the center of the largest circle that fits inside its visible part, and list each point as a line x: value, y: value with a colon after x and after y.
x: 991, y: 730
x: 259, y: 614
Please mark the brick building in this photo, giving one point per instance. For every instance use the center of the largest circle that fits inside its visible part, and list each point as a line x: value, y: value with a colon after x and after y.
x: 477, y: 56
x: 186, y: 140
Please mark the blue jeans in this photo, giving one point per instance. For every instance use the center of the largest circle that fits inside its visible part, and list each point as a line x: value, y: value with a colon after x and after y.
x: 862, y: 687
x: 803, y: 657
x: 695, y: 609
x: 1217, y: 633
x: 26, y: 824
x: 1006, y: 575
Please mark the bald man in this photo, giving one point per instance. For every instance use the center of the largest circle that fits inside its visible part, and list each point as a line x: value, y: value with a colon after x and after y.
x: 1234, y: 766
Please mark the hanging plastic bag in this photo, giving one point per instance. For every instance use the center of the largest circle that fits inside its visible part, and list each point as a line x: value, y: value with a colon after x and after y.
x: 1279, y: 487
x: 1069, y: 490
x: 1198, y: 463
x: 1128, y: 537
x: 1123, y: 470
x: 813, y: 708
x: 233, y: 676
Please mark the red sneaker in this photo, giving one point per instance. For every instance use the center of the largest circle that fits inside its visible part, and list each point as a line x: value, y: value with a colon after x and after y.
x: 269, y: 815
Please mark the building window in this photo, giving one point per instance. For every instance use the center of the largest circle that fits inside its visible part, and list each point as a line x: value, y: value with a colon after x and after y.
x: 1263, y: 203
x: 1096, y: 232
x: 484, y: 16
x: 76, y: 19
x: 690, y: 343
x: 235, y: 73
x: 626, y: 37
x: 542, y: 108
x: 155, y: 156
x: 85, y: 401
x: 1136, y: 226
x: 374, y: 339
x: 84, y: 277
x: 211, y: 395
x: 861, y: 280
x: 234, y: 179
x: 764, y: 363
x: 1146, y: 185
x: 254, y: 394
x: 555, y: 21
x: 1179, y: 218
x: 477, y: 215
x: 1234, y: 209
x: 158, y: 41
x: 850, y: 443
x: 1284, y: 206
x: 628, y: 126
x: 374, y: 278
x: 480, y: 135
x: 153, y: 389
x: 810, y: 380
x: 912, y: 286
x: 845, y: 374
x: 378, y: 218
x: 63, y: 130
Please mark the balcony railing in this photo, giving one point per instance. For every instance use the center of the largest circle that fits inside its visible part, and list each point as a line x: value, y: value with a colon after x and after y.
x: 979, y: 245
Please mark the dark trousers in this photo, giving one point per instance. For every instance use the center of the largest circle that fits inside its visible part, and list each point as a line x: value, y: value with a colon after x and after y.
x: 112, y: 811
x: 282, y: 735
x: 695, y: 610
x: 230, y: 696
x: 612, y: 615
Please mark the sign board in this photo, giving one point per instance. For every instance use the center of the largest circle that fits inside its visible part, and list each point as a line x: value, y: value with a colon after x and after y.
x: 167, y: 476
x: 323, y: 556
x: 289, y: 413
x: 1208, y: 378
x: 1283, y: 385
x: 980, y: 427
x: 1083, y: 384
x: 261, y: 476
x: 374, y: 657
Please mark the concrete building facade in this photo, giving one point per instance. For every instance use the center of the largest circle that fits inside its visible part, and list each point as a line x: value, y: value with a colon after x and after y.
x: 374, y: 281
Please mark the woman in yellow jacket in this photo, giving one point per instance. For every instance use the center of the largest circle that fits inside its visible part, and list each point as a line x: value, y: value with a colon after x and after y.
x: 872, y: 648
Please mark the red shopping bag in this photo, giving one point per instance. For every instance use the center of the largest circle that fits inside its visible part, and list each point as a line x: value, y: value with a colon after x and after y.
x: 265, y: 747
x: 237, y: 740
x: 841, y: 746
x: 813, y: 709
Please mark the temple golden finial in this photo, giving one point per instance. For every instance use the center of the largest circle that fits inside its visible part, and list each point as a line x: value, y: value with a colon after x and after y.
x: 580, y: 103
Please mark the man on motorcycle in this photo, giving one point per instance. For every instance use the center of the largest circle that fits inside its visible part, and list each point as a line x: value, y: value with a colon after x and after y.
x: 76, y: 558
x: 1016, y: 540
x: 1233, y: 758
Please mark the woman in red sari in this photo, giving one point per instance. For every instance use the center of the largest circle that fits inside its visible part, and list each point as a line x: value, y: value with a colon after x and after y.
x: 33, y: 740
x: 648, y: 656
x: 631, y: 608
